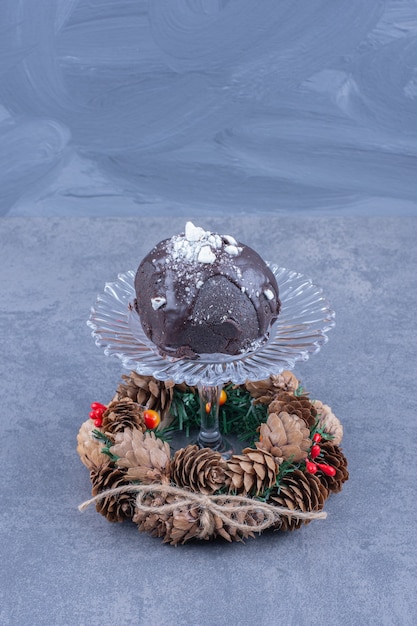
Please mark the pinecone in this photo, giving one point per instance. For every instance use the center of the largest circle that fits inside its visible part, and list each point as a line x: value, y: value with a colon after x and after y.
x: 285, y: 436
x: 145, y: 457
x: 264, y: 390
x: 328, y: 421
x: 89, y: 448
x: 295, y: 405
x: 251, y: 472
x: 298, y: 491
x: 333, y: 455
x: 201, y: 470
x: 122, y: 414
x: 149, y: 393
x: 117, y: 508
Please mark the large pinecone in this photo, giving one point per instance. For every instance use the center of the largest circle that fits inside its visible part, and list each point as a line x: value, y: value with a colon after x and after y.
x: 264, y: 390
x: 285, y: 436
x: 117, y: 508
x: 298, y: 491
x: 333, y: 455
x: 251, y: 472
x: 145, y: 457
x: 90, y: 448
x: 328, y: 421
x: 295, y: 405
x: 184, y: 523
x: 201, y: 470
x: 148, y: 392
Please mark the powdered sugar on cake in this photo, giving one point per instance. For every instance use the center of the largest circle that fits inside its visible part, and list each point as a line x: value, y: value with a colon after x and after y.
x: 201, y: 246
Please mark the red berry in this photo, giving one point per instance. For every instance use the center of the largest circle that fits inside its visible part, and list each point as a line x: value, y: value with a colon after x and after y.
x: 315, y: 451
x: 98, y: 422
x: 98, y: 405
x: 151, y: 418
x: 327, y: 469
x: 311, y: 467
x: 317, y: 438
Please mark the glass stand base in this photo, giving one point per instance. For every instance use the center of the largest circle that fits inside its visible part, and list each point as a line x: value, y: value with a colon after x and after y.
x: 221, y: 445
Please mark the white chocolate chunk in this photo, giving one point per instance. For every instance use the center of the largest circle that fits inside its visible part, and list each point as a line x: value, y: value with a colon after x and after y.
x: 157, y: 302
x: 206, y: 255
x: 269, y: 294
x: 230, y: 240
x: 193, y: 233
x: 232, y: 250
x: 218, y: 241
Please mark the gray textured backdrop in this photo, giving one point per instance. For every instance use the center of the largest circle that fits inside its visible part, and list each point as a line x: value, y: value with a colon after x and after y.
x: 126, y: 107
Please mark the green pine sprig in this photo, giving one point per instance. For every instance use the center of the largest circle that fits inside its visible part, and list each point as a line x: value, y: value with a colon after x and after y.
x: 108, y: 443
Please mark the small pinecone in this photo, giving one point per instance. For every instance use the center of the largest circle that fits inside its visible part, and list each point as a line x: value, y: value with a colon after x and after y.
x: 298, y: 491
x: 295, y: 405
x: 333, y: 455
x: 148, y: 392
x: 264, y: 390
x: 251, y: 472
x: 201, y: 470
x: 145, y: 457
x: 117, y: 508
x: 122, y: 414
x: 174, y: 527
x: 89, y: 448
x: 285, y: 436
x: 329, y: 422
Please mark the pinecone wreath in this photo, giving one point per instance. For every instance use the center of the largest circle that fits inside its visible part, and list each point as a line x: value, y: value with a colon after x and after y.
x: 279, y: 481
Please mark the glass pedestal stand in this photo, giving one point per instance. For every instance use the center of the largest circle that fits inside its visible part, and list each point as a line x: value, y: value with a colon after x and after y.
x: 299, y: 332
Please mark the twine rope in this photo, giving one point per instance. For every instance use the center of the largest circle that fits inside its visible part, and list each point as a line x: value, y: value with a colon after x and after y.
x: 209, y: 506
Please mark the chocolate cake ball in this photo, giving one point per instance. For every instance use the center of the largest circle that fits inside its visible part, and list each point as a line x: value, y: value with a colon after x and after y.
x: 200, y: 292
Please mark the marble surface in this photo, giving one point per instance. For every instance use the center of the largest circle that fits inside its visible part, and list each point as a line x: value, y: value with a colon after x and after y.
x: 62, y: 567
x: 173, y: 107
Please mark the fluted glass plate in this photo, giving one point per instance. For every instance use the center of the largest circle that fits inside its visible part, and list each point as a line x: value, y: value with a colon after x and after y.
x: 299, y: 332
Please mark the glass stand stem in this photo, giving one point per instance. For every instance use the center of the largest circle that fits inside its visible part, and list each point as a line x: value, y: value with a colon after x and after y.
x: 210, y: 435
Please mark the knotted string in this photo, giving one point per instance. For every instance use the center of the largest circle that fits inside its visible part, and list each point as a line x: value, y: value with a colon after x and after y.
x: 209, y: 506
